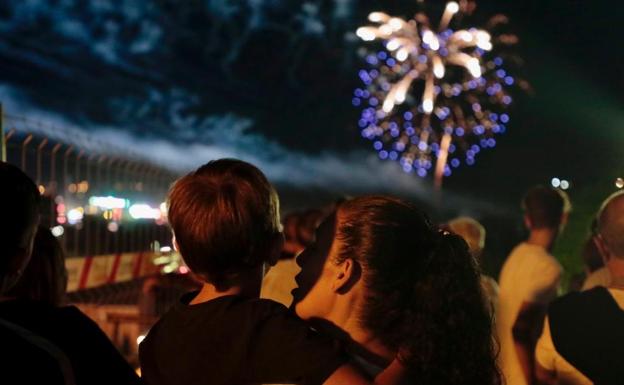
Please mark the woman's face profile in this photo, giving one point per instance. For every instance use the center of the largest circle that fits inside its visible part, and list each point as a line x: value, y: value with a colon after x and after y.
x: 313, y: 296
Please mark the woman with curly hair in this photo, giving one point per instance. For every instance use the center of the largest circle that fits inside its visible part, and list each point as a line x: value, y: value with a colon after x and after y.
x: 383, y: 279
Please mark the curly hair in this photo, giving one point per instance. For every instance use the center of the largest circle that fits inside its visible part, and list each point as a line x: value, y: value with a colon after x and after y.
x: 423, y: 298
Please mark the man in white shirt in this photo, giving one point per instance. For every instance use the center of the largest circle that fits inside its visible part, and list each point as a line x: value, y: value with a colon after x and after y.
x: 583, y: 338
x: 529, y: 280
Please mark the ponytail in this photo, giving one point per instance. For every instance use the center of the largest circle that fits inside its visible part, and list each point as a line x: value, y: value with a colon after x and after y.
x: 424, y: 296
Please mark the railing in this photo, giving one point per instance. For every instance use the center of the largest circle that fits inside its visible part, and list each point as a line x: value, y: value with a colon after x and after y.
x: 105, y: 205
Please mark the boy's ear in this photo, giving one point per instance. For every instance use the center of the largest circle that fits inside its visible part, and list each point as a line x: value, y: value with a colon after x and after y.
x: 346, y: 275
x: 276, y: 248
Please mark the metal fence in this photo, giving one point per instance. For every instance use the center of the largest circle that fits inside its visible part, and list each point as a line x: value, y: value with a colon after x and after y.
x: 77, y: 178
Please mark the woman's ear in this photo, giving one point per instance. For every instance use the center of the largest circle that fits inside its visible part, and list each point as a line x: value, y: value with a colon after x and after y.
x: 346, y: 275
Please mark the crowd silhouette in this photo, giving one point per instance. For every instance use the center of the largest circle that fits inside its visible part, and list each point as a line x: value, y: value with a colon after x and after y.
x: 364, y: 290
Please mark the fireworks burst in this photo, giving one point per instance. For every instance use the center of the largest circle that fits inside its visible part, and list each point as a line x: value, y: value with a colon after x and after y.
x: 433, y: 94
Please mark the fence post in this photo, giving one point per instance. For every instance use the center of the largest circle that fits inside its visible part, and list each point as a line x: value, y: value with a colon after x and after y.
x: 3, y: 150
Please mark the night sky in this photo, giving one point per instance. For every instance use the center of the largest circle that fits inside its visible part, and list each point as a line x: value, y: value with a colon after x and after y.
x: 272, y: 80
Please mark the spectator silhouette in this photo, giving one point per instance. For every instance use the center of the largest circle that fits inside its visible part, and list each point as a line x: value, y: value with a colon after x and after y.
x: 474, y: 234
x: 84, y: 349
x: 528, y: 281
x: 583, y: 337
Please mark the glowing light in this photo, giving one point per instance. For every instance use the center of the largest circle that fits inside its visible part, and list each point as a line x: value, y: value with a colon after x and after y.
x: 555, y: 182
x: 378, y: 17
x: 461, y: 92
x: 619, y: 183
x: 165, y: 249
x: 163, y: 209
x: 184, y: 270
x: 41, y: 189
x: 452, y: 7
x: 57, y: 231
x: 82, y: 187
x: 564, y: 184
x: 112, y: 227
x: 75, y: 215
x: 427, y: 106
x: 140, y: 339
x: 366, y: 33
x: 143, y: 211
x: 108, y: 202
x: 402, y: 54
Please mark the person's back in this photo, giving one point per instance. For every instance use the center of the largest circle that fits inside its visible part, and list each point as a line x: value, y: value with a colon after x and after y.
x: 528, y: 281
x: 20, y: 349
x: 530, y: 274
x: 225, y: 223
x: 234, y: 340
x: 583, y: 337
x: 30, y: 307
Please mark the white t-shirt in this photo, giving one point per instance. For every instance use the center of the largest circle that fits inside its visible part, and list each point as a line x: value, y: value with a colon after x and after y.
x: 548, y: 358
x: 600, y: 277
x: 530, y: 274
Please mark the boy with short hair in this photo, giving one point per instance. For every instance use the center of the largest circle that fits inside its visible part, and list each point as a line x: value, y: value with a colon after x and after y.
x: 225, y: 220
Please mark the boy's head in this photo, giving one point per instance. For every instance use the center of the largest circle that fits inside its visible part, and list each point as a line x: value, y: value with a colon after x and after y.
x: 19, y: 198
x: 225, y: 219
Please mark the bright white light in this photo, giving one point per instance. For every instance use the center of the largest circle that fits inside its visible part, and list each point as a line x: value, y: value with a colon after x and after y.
x: 378, y: 17
x: 109, y: 202
x: 465, y: 36
x: 74, y: 216
x: 474, y: 67
x: 402, y: 54
x: 452, y: 7
x: 438, y: 67
x: 143, y: 211
x: 57, y: 231
x: 388, y: 105
x: 385, y: 30
x: 619, y: 183
x: 393, y: 44
x: 365, y: 33
x: 395, y: 23
x: 564, y: 184
x: 555, y: 182
x: 165, y: 249
x: 140, y: 339
x: 427, y: 105
x: 431, y: 39
x: 483, y: 40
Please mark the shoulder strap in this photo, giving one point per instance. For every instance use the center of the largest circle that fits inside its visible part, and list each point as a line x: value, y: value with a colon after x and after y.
x: 44, y: 344
x: 588, y: 331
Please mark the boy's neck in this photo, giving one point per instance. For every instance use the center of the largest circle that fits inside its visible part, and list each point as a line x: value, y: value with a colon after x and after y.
x: 248, y: 286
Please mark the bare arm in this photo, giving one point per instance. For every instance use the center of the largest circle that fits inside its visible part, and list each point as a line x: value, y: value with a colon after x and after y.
x: 394, y: 374
x: 526, y: 330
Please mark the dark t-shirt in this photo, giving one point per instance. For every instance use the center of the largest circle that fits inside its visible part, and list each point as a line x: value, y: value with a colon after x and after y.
x: 23, y: 362
x: 233, y: 340
x: 93, y: 357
